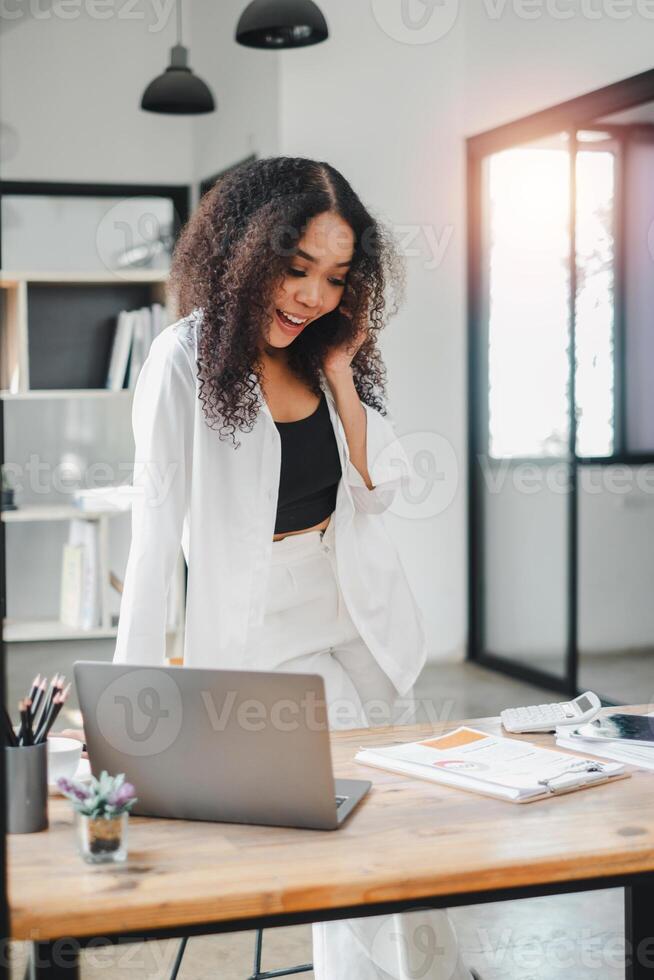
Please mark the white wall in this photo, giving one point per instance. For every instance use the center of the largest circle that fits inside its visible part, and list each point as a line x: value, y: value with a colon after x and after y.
x: 525, y: 55
x: 71, y: 90
x: 616, y: 558
x: 245, y: 85
x: 392, y: 113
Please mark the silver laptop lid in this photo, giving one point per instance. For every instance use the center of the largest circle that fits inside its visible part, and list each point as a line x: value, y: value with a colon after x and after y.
x: 237, y: 746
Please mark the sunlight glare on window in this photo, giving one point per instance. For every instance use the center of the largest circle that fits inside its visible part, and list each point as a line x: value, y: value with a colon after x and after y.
x: 528, y: 328
x: 594, y: 328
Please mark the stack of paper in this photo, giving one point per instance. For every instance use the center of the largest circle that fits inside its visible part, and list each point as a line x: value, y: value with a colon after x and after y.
x: 113, y: 498
x: 634, y: 755
x: 492, y: 765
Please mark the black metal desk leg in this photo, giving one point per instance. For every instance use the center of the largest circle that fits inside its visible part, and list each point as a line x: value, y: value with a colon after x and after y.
x: 639, y: 932
x: 57, y: 959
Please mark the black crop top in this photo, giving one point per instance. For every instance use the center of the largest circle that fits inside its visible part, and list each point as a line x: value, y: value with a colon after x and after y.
x: 310, y: 470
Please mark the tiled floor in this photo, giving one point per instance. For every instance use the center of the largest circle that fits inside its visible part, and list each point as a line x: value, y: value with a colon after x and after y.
x: 573, y: 937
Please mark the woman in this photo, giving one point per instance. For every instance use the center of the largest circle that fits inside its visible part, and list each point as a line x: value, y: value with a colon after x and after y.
x: 263, y: 447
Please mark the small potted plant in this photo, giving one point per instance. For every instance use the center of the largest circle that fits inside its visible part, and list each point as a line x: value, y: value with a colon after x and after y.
x: 8, y: 491
x: 102, y: 808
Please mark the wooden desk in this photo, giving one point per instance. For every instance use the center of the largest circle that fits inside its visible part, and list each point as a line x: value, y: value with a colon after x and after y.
x: 408, y: 845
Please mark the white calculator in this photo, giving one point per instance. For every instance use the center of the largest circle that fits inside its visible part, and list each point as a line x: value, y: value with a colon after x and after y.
x: 547, y: 717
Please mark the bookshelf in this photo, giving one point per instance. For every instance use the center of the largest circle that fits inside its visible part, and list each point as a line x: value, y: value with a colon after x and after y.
x: 56, y: 333
x: 56, y: 329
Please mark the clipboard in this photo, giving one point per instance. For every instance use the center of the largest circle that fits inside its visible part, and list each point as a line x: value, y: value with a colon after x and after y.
x: 493, y: 766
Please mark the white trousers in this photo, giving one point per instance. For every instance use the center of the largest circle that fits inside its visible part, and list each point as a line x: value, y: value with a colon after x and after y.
x: 306, y: 619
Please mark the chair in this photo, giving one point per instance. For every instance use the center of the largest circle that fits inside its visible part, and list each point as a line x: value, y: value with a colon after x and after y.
x: 257, y: 974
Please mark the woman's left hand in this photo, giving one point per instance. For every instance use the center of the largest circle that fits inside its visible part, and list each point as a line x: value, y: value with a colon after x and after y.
x: 338, y: 360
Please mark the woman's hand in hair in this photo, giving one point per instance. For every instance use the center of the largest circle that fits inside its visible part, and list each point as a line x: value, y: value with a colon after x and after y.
x: 338, y: 360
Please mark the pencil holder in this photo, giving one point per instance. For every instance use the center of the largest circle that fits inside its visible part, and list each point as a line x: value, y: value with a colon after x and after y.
x: 26, y: 781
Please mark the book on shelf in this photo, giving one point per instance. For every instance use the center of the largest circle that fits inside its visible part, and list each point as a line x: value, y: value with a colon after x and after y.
x: 134, y: 333
x: 120, y: 351
x: 80, y: 605
x: 71, y: 585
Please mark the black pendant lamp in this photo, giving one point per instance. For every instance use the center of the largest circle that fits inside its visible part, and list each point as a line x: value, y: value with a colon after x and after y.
x: 178, y: 91
x: 277, y: 24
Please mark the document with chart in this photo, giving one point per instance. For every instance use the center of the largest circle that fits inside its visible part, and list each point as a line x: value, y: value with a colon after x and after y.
x: 507, y: 768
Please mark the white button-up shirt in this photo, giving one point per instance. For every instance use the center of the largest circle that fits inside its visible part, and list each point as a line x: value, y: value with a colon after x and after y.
x: 220, y: 504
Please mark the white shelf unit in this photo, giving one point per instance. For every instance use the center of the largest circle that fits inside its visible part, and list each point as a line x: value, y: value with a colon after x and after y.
x: 15, y: 388
x: 44, y: 394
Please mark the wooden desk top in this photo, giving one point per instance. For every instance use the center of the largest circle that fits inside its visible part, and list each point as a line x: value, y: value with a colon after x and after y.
x: 408, y: 839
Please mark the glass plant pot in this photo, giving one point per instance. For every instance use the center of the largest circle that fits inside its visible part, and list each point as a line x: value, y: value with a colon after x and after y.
x: 102, y: 840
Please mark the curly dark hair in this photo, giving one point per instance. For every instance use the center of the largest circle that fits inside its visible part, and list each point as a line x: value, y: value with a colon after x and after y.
x: 233, y: 254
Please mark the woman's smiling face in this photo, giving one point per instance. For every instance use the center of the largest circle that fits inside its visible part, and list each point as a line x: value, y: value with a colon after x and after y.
x: 315, y: 278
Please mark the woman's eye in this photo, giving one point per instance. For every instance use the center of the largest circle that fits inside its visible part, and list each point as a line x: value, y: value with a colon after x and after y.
x: 300, y: 272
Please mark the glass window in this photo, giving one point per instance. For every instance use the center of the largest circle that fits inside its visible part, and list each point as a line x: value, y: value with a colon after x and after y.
x: 528, y: 317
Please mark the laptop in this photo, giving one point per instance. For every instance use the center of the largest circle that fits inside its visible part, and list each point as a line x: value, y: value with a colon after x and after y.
x: 220, y: 745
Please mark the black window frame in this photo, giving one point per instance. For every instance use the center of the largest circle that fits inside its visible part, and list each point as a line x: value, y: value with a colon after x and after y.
x: 581, y: 113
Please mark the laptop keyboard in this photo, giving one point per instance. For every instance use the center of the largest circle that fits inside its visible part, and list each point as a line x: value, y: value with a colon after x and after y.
x: 340, y: 800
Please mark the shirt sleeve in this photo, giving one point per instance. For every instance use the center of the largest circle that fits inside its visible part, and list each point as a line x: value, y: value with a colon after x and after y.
x: 388, y: 465
x: 162, y: 421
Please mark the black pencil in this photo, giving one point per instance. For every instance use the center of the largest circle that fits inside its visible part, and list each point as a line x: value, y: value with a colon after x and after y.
x: 23, y: 711
x: 48, y: 701
x: 49, y: 719
x: 9, y: 728
x: 35, y: 684
x: 57, y: 705
x: 28, y: 738
x: 38, y: 698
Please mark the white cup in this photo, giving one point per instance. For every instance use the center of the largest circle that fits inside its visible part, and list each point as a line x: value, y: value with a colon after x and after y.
x: 63, y: 758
